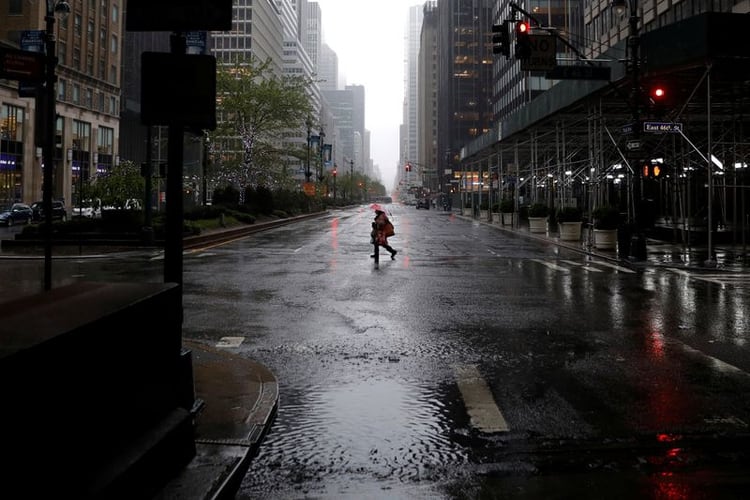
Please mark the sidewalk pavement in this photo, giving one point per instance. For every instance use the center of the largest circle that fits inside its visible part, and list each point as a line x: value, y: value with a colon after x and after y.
x: 727, y: 257
x: 238, y: 399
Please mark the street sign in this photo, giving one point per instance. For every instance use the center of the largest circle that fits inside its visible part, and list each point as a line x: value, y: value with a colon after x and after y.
x: 633, y: 145
x: 579, y: 72
x: 662, y: 127
x: 21, y: 65
x: 543, y: 53
x: 627, y: 129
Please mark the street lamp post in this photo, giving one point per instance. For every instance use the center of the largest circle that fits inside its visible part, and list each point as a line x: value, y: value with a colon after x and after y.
x: 308, y: 174
x: 351, y: 180
x: 321, y: 144
x: 334, y: 172
x: 61, y: 8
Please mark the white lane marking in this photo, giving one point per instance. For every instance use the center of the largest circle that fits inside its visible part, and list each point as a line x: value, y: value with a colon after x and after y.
x: 718, y: 279
x: 483, y: 411
x: 551, y: 265
x: 230, y: 341
x: 584, y: 266
x: 613, y: 266
x: 716, y: 363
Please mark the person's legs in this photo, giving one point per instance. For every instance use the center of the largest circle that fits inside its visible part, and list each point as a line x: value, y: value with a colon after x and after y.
x: 393, y: 252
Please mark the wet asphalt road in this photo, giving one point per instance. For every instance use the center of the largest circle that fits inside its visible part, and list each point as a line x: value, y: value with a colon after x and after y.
x: 478, y: 364
x: 599, y: 377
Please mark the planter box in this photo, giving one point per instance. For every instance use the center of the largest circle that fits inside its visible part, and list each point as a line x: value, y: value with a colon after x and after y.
x: 537, y: 224
x: 484, y: 214
x: 496, y: 217
x: 570, y: 231
x: 508, y: 219
x: 605, y: 239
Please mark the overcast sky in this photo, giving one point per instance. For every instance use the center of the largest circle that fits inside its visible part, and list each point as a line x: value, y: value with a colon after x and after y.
x: 368, y: 37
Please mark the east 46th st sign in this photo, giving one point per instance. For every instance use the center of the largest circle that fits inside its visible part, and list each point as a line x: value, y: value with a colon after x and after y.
x: 662, y: 127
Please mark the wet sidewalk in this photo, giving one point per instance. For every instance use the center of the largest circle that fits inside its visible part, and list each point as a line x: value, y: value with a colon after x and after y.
x: 238, y: 400
x: 726, y: 257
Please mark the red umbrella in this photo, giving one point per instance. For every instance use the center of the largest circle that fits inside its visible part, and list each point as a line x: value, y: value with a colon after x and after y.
x: 375, y: 206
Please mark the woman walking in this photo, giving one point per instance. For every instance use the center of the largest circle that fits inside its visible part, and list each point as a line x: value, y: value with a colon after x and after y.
x: 382, y: 228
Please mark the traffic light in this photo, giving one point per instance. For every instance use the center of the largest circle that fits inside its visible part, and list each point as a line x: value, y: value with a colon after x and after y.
x: 408, y: 167
x: 334, y: 172
x: 659, y: 98
x: 523, y: 44
x: 501, y: 39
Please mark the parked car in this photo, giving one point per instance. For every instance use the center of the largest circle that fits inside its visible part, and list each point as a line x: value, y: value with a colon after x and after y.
x: 59, y: 211
x: 16, y: 213
x: 89, y: 209
x: 423, y: 203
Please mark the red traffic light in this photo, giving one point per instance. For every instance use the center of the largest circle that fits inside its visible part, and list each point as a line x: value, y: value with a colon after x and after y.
x: 334, y: 172
x: 658, y: 92
x: 522, y: 27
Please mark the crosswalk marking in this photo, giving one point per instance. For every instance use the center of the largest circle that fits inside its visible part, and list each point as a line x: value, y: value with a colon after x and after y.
x: 583, y: 266
x: 614, y: 266
x: 715, y: 278
x: 230, y: 341
x: 483, y: 411
x: 551, y: 265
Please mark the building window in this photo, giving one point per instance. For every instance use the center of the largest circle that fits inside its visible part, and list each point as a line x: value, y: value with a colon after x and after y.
x: 62, y: 52
x: 112, y: 106
x: 90, y: 64
x: 11, y: 123
x: 76, y: 94
x: 113, y: 74
x: 106, y: 140
x: 103, y: 36
x: 113, y: 44
x: 101, y: 102
x: 115, y: 13
x: 89, y: 99
x: 102, y: 65
x: 77, y: 21
x: 77, y: 58
x: 15, y: 8
x: 62, y: 90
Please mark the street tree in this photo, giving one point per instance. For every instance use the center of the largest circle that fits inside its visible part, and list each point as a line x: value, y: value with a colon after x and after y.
x: 121, y: 183
x: 256, y: 110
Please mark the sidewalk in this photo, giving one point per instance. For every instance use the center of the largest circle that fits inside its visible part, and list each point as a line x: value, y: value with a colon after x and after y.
x: 727, y: 257
x: 238, y: 399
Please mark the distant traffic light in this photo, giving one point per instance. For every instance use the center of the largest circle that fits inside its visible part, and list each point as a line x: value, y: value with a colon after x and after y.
x: 523, y: 43
x: 407, y: 167
x: 501, y: 39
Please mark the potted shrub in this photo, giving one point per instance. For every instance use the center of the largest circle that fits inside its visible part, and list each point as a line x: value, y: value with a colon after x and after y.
x: 569, y: 223
x: 538, y: 213
x: 606, y: 221
x: 484, y: 210
x: 506, y: 208
x: 496, y: 212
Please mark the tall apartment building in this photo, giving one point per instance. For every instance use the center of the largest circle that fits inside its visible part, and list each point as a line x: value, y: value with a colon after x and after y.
x: 89, y: 50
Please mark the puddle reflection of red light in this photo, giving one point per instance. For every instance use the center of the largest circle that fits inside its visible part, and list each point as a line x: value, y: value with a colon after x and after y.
x: 668, y: 438
x: 334, y: 233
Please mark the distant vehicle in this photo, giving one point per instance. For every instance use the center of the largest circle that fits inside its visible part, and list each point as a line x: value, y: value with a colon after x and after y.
x: 89, y: 209
x: 17, y: 213
x: 58, y: 211
x: 423, y: 203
